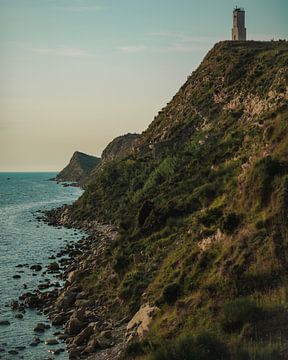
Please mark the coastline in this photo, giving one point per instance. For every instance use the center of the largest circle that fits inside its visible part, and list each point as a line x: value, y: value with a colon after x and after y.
x: 89, y: 331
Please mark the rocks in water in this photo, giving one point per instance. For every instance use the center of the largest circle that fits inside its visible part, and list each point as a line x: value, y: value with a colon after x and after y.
x: 40, y: 327
x: 62, y: 337
x: 20, y: 348
x: 44, y: 286
x: 19, y: 316
x: 13, y: 352
x: 56, y: 351
x: 36, y: 341
x: 14, y: 304
x: 2, y: 349
x: 4, y: 322
x: 53, y: 266
x: 16, y: 276
x: 51, y: 342
x: 36, y: 267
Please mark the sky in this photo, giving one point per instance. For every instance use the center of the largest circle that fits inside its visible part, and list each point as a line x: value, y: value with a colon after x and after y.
x: 74, y: 74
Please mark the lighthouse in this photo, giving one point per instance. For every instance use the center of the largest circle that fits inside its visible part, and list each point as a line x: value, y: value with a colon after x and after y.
x: 239, y: 30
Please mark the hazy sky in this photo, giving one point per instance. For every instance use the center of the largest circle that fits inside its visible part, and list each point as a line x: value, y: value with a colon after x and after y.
x: 74, y: 74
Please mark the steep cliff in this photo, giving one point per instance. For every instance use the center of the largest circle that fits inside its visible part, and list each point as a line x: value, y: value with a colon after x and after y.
x: 120, y: 147
x: 201, y: 204
x: 79, y: 167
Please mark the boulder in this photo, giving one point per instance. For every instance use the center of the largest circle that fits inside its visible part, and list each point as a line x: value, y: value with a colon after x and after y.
x: 74, y: 353
x: 84, y: 336
x: 40, y: 327
x: 4, y: 322
x: 74, y: 326
x: 53, y: 266
x: 36, y: 267
x: 51, y: 342
x: 66, y: 299
x: 92, y: 345
x: 140, y: 324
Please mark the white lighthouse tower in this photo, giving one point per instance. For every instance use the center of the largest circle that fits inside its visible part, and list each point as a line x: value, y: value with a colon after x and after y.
x: 239, y: 30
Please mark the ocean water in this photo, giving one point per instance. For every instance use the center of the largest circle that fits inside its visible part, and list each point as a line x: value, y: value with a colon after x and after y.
x: 25, y: 240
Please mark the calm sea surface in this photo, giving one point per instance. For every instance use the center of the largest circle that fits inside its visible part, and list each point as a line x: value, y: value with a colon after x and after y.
x: 24, y: 240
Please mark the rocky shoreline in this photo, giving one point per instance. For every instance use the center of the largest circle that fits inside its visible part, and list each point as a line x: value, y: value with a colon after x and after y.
x: 84, y: 323
x: 89, y: 331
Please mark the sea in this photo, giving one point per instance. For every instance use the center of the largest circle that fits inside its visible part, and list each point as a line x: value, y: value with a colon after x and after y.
x: 24, y: 240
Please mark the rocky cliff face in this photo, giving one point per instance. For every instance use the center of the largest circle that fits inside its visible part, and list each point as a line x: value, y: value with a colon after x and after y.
x: 201, y: 206
x: 79, y: 167
x: 120, y: 147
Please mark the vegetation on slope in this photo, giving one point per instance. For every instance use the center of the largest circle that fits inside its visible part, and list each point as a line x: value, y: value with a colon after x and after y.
x: 202, y: 209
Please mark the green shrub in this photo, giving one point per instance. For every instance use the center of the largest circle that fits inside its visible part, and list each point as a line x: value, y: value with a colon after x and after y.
x: 210, y: 216
x: 131, y: 289
x: 121, y: 262
x: 136, y: 348
x: 260, y: 180
x: 239, y: 312
x: 204, y: 346
x: 171, y: 293
x: 230, y: 222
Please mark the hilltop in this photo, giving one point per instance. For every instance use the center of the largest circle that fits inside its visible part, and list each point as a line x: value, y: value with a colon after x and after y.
x: 79, y: 167
x: 200, y: 203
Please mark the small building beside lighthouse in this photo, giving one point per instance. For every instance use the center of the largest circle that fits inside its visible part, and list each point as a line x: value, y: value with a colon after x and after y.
x: 239, y: 29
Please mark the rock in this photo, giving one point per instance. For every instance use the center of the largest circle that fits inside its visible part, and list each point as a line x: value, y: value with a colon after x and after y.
x: 13, y: 352
x: 75, y: 275
x: 58, y: 319
x: 56, y: 351
x: 40, y: 327
x: 139, y: 325
x: 14, y: 305
x: 16, y: 277
x: 19, y: 316
x: 106, y: 334
x: 35, y: 341
x: 74, y: 326
x: 74, y: 353
x: 62, y: 337
x: 20, y: 348
x: 51, y: 342
x: 53, y: 266
x: 66, y: 299
x: 84, y: 335
x: 36, y: 267
x: 4, y: 322
x: 92, y: 345
x: 43, y: 286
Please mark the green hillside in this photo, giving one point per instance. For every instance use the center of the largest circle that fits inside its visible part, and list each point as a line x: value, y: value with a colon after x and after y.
x: 202, y: 207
